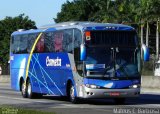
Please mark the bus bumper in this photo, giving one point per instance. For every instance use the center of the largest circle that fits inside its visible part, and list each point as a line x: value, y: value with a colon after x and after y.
x: 108, y: 93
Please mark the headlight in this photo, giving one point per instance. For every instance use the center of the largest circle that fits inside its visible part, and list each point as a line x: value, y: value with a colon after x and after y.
x: 92, y: 86
x: 135, y: 86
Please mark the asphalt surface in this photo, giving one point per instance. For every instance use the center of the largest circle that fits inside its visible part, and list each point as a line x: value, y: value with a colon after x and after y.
x: 145, y: 104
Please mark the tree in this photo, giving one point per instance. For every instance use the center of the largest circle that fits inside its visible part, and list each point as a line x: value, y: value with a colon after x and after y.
x: 7, y: 26
x: 71, y: 11
x: 115, y: 11
x: 149, y: 12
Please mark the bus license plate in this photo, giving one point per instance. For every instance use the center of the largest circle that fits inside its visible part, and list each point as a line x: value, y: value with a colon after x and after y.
x: 112, y: 94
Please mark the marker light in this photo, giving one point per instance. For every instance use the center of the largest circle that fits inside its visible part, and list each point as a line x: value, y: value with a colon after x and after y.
x: 88, y: 35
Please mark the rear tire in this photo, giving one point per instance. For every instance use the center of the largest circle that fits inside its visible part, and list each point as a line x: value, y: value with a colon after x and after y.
x: 23, y: 90
x: 30, y: 94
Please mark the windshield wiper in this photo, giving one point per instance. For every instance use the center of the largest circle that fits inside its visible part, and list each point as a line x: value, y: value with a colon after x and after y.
x: 105, y: 72
x: 113, y: 73
x: 121, y: 68
x: 113, y: 61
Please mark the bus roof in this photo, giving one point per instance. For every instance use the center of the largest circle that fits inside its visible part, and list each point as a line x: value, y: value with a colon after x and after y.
x: 82, y: 25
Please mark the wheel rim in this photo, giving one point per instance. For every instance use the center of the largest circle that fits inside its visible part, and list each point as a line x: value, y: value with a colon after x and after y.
x: 72, y: 93
x: 29, y: 89
x: 23, y: 88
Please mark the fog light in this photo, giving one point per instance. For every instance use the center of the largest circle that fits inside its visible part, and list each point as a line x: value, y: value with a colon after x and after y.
x: 91, y: 93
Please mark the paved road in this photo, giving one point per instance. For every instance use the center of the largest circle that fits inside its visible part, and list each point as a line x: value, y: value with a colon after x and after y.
x: 146, y: 103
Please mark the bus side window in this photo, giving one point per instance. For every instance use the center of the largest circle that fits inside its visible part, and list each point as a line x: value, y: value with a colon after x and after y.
x: 49, y: 42
x: 12, y: 44
x: 77, y: 38
x: 68, y: 41
x: 23, y: 44
x: 77, y: 43
x: 15, y: 45
x: 58, y: 39
x: 40, y: 45
x: 31, y: 40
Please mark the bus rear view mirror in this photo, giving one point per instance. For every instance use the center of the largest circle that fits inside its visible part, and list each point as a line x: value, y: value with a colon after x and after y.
x: 82, y: 52
x: 145, y: 52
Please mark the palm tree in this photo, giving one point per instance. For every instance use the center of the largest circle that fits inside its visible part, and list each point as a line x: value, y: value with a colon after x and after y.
x: 149, y: 12
x: 157, y: 40
x: 154, y: 13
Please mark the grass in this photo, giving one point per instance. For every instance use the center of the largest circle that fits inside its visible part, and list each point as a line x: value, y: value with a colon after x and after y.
x: 12, y: 110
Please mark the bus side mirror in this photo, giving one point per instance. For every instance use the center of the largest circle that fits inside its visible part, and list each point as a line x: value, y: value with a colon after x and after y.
x: 145, y: 52
x: 82, y: 52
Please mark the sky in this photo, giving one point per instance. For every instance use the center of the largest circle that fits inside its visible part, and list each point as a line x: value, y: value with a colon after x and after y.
x: 40, y: 11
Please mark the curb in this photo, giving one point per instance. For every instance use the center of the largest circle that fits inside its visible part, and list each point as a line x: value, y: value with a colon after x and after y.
x: 145, y: 90
x: 150, y: 82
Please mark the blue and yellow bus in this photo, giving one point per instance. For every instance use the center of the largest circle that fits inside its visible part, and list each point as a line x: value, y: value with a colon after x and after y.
x: 77, y: 60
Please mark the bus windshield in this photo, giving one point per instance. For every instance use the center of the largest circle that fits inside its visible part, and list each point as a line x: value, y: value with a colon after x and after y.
x: 117, y: 60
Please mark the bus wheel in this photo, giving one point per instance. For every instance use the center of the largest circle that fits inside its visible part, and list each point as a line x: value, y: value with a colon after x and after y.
x: 72, y: 97
x: 30, y: 94
x: 23, y: 90
x: 120, y: 100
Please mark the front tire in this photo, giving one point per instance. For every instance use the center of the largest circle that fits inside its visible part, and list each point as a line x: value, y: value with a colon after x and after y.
x: 72, y: 96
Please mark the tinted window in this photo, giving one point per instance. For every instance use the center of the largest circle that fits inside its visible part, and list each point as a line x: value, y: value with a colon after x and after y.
x: 15, y: 44
x: 22, y: 43
x: 118, y: 38
x: 56, y: 41
x: 77, y: 38
x: 68, y: 40
x: 77, y: 43
x: 40, y: 45
x: 49, y: 42
x: 19, y: 44
x: 62, y: 41
x: 31, y: 40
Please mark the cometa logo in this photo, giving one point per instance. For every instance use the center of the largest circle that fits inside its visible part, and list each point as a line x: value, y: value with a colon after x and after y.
x: 53, y: 62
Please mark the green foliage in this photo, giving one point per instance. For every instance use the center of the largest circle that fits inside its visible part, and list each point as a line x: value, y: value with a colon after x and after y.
x: 149, y: 10
x: 99, y: 10
x: 117, y: 11
x: 12, y: 110
x: 7, y: 26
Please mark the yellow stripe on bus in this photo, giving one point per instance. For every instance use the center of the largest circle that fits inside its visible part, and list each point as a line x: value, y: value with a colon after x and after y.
x: 30, y: 55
